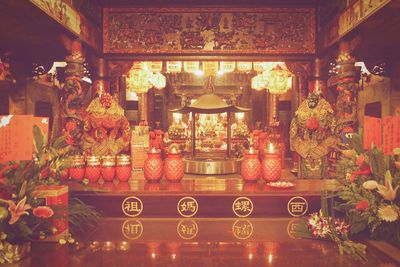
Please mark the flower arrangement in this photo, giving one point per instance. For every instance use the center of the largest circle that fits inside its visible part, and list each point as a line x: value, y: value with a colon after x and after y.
x: 320, y: 225
x: 24, y: 215
x: 369, y: 193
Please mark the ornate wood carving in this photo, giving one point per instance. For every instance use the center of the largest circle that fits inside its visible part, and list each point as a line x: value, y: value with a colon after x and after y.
x: 209, y: 30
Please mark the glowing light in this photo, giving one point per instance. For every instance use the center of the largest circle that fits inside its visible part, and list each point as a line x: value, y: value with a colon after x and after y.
x: 173, y: 256
x: 250, y: 256
x: 220, y: 72
x: 279, y: 80
x: 270, y: 258
x: 153, y: 255
x: 271, y: 148
x: 239, y: 115
x: 177, y: 116
x: 199, y: 73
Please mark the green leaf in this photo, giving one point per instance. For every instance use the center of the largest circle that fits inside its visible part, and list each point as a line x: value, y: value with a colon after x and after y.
x: 38, y: 139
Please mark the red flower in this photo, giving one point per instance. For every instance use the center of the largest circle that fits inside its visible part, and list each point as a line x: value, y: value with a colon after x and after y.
x: 364, y: 170
x: 360, y: 160
x: 362, y: 205
x: 312, y: 124
x: 43, y: 212
x: 353, y: 177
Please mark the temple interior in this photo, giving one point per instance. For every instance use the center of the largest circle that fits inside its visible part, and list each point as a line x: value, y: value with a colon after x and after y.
x: 199, y: 133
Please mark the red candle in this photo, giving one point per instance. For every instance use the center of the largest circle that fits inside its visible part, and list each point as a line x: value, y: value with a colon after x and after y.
x: 124, y: 168
x: 93, y: 168
x: 174, y: 166
x: 250, y: 168
x: 153, y: 166
x: 77, y: 170
x: 108, y: 168
x: 271, y: 165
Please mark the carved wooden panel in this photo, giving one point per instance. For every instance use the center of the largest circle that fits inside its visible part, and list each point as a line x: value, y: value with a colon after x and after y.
x: 209, y: 30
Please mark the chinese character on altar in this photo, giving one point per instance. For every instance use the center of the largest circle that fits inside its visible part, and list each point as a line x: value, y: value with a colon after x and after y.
x: 242, y: 207
x: 132, y: 206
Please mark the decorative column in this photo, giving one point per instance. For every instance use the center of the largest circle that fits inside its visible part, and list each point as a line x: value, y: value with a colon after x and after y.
x: 101, y: 85
x: 346, y: 102
x: 73, y: 93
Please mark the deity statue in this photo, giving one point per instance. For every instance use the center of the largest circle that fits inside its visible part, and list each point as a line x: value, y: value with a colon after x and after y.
x: 312, y: 135
x: 106, y: 129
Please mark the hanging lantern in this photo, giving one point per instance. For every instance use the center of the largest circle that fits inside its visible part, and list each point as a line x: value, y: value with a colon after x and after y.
x: 158, y: 80
x: 210, y: 67
x: 257, y: 82
x: 138, y: 80
x: 191, y: 66
x: 174, y: 66
x: 279, y: 80
x: 244, y: 66
x: 227, y: 66
x: 260, y: 66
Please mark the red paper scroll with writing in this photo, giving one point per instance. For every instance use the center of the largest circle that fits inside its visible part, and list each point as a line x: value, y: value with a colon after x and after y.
x: 16, y: 137
x: 372, y: 132
x: 391, y: 134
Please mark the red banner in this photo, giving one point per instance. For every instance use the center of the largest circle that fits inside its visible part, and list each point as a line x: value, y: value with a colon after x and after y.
x: 391, y: 134
x: 372, y: 132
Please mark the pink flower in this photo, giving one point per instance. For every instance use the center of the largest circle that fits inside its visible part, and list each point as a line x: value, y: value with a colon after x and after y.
x: 362, y: 205
x: 18, y: 210
x: 360, y: 160
x: 43, y: 212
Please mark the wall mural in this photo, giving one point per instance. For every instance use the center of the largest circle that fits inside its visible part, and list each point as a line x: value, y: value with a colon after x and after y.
x: 205, y: 30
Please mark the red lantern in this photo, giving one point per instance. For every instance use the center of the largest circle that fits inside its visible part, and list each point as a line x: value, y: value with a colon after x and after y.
x: 93, y: 168
x: 153, y: 166
x: 250, y: 168
x: 77, y: 170
x: 174, y: 167
x: 124, y: 168
x: 108, y: 168
x: 271, y: 165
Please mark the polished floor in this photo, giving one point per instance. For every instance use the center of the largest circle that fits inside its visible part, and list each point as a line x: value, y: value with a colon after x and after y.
x: 199, y: 242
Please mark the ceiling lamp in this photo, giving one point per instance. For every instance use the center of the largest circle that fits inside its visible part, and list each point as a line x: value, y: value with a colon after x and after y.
x: 138, y: 80
x: 258, y: 82
x: 141, y: 79
x: 279, y: 80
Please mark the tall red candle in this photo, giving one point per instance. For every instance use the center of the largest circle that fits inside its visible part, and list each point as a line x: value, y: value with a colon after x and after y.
x: 124, y: 168
x: 77, y: 170
x: 271, y: 165
x: 93, y: 168
x: 108, y: 168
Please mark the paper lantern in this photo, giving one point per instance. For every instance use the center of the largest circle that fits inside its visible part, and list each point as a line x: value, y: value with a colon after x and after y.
x: 138, y: 80
x: 244, y: 66
x: 227, y: 66
x: 191, y: 66
x: 158, y: 80
x: 257, y: 82
x: 210, y: 67
x: 174, y: 66
x: 260, y: 66
x: 279, y: 80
